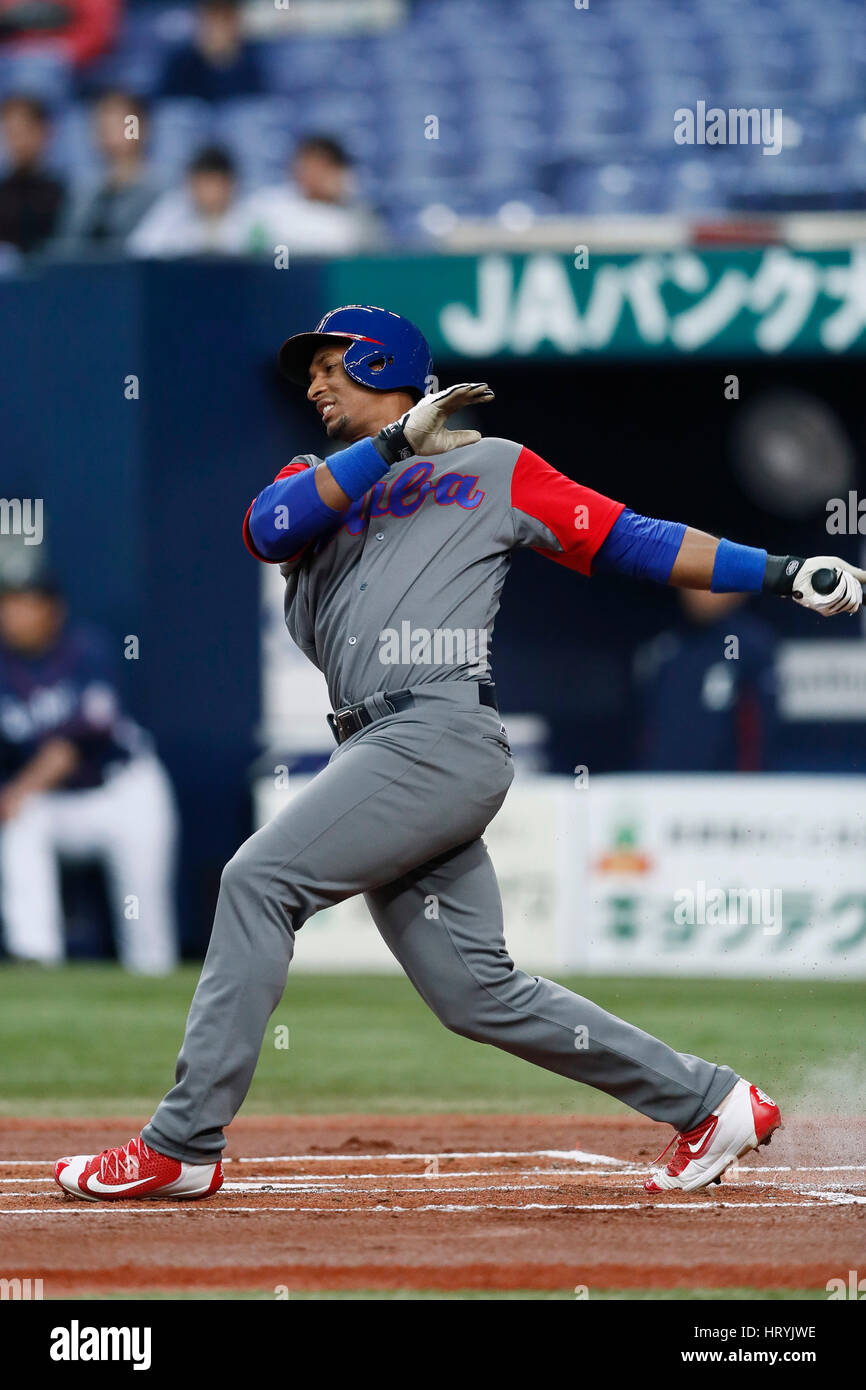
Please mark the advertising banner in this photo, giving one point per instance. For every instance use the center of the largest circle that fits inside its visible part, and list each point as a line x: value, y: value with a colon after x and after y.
x: 654, y: 875
x: 721, y: 875
x: 686, y: 302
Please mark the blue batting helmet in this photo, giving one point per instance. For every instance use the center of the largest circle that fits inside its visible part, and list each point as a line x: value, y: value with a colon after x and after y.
x: 385, y: 352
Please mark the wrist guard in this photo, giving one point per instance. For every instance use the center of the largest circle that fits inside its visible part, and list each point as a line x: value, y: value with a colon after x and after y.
x: 392, y: 444
x: 781, y: 572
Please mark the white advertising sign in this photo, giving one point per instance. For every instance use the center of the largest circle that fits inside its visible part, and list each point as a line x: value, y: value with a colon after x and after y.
x: 745, y: 875
x: 722, y: 875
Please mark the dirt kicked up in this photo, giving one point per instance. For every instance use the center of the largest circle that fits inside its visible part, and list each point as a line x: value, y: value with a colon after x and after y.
x: 440, y: 1202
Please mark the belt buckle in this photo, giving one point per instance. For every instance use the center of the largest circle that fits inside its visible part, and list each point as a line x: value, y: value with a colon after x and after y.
x: 346, y: 722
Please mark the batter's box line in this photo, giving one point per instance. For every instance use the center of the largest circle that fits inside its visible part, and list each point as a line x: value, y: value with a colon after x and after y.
x: 213, y: 1212
x: 620, y: 1171
x: 572, y: 1155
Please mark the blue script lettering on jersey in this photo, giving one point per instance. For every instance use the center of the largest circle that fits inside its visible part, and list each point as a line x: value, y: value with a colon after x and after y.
x: 406, y: 494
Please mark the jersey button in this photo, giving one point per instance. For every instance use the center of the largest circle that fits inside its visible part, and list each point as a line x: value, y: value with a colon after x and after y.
x: 380, y: 535
x: 363, y: 586
x: 352, y: 641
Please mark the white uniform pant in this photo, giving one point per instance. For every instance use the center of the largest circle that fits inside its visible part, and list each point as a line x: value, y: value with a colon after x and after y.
x: 130, y: 824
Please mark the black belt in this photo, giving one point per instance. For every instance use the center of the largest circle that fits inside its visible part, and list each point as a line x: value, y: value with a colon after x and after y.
x: 347, y: 721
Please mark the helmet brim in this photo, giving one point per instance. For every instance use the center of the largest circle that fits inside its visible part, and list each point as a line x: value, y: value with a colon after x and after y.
x: 297, y: 353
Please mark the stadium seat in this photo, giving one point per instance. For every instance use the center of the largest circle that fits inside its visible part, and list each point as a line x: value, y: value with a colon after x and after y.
x: 555, y: 102
x: 179, y: 126
x: 47, y: 76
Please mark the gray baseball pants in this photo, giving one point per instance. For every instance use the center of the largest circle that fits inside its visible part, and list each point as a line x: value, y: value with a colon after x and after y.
x: 397, y: 815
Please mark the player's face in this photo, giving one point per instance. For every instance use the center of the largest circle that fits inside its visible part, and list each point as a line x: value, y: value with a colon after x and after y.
x: 29, y: 621
x: 345, y: 408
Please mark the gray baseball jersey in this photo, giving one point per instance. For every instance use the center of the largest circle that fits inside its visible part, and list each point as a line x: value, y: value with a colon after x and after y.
x: 405, y: 590
x: 399, y: 811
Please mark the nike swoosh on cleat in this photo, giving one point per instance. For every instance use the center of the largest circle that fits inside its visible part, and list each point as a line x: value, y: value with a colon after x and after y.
x: 94, y: 1185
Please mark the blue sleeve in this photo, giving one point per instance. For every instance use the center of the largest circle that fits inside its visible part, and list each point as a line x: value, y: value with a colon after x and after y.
x: 290, y: 512
x: 640, y: 546
x: 645, y: 548
x: 287, y: 514
x: 738, y: 569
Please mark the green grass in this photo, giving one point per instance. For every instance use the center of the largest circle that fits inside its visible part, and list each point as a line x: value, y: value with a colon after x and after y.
x: 90, y: 1039
x: 462, y: 1295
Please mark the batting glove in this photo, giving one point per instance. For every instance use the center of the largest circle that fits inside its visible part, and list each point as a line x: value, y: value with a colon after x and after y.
x: 846, y: 597
x: 423, y: 429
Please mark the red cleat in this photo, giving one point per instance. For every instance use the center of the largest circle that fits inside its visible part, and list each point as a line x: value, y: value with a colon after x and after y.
x: 748, y: 1119
x: 135, y: 1171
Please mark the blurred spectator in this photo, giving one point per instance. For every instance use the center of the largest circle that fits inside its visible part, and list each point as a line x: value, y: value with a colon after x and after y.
x: 78, y: 781
x: 101, y: 215
x: 200, y: 219
x: 320, y: 214
x: 30, y: 199
x: 218, y: 63
x: 80, y: 29
x: 710, y: 689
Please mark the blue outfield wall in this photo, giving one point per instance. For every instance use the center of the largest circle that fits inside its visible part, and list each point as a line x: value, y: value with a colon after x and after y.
x: 144, y: 498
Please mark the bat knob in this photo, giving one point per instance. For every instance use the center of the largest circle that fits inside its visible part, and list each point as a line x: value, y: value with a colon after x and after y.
x: 824, y: 581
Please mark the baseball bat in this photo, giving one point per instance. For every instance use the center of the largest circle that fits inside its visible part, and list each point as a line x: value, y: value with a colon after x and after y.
x: 824, y: 581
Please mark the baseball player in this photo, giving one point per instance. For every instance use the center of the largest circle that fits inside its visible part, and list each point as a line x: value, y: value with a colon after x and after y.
x: 413, y: 524
x: 78, y: 780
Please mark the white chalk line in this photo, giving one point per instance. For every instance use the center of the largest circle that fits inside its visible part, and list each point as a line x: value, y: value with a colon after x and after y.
x: 112, y: 1209
x: 415, y: 1177
x: 572, y: 1155
x: 312, y: 1182
x: 840, y: 1199
x: 265, y: 1186
x: 299, y: 1190
x: 620, y: 1164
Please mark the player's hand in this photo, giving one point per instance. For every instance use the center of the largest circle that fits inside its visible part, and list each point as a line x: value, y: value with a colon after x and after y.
x: 423, y: 429
x: 846, y: 597
x: 425, y: 424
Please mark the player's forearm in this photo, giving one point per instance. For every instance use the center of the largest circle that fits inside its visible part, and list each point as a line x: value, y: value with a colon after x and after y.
x: 287, y: 514
x: 693, y: 566
x: 49, y: 767
x: 296, y: 509
x: 679, y: 555
x: 671, y: 553
x: 705, y: 562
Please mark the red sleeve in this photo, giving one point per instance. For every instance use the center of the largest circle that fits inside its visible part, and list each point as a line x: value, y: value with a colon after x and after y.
x: 294, y: 467
x: 548, y: 507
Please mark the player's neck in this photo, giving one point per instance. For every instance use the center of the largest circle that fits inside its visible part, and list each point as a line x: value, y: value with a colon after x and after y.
x: 366, y: 432
x: 390, y: 406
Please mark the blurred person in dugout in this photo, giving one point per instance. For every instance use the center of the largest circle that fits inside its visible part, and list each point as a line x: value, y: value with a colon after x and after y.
x: 709, y: 689
x: 78, y: 781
